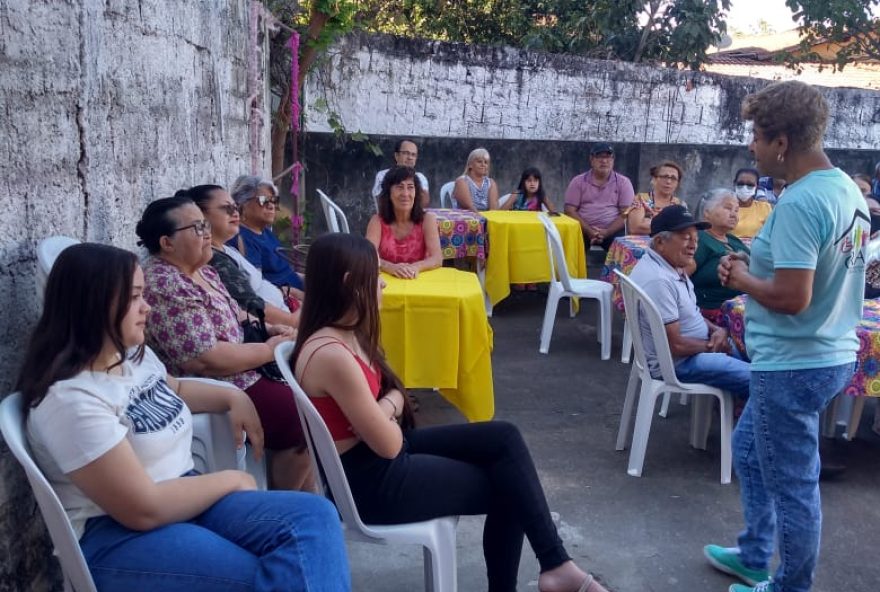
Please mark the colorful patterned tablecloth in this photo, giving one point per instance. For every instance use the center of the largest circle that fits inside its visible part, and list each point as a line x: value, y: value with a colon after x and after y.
x: 866, y: 380
x: 462, y: 233
x: 624, y: 253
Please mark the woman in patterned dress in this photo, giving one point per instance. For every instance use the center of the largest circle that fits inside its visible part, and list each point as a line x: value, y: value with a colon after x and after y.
x: 194, y: 327
x: 404, y: 234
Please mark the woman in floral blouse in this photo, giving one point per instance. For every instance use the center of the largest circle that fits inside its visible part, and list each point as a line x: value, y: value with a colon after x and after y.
x: 194, y: 327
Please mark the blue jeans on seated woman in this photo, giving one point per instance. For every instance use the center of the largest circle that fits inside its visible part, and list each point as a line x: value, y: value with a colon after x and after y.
x: 725, y: 371
x: 776, y: 457
x: 247, y: 541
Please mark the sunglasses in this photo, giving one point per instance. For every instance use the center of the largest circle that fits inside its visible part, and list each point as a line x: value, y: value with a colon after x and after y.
x: 264, y: 201
x: 230, y: 209
x: 202, y: 228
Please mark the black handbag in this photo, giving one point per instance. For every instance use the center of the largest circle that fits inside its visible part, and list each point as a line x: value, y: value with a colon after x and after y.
x: 254, y: 330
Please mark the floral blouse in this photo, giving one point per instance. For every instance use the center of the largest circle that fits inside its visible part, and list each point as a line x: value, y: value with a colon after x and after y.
x: 186, y: 320
x: 646, y: 201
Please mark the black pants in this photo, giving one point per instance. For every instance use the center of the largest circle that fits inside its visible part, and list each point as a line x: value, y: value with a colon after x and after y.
x: 469, y: 469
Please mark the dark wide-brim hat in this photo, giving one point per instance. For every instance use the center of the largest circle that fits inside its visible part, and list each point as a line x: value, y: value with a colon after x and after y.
x: 672, y: 218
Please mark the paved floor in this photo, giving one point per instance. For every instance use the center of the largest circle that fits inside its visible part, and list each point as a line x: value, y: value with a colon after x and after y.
x: 636, y: 534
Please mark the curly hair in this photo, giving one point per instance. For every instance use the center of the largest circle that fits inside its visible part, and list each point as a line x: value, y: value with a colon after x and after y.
x: 395, y: 175
x: 793, y: 108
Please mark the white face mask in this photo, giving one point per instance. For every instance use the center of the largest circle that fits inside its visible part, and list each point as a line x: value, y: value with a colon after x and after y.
x: 744, y: 192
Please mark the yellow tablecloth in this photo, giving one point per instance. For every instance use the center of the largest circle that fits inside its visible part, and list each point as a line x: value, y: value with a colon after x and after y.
x: 436, y: 335
x: 518, y: 250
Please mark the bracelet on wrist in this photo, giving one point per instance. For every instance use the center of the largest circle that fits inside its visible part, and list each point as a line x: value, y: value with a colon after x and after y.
x: 393, y: 406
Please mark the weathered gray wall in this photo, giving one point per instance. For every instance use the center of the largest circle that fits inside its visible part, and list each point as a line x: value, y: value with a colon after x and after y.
x: 537, y: 109
x: 104, y: 106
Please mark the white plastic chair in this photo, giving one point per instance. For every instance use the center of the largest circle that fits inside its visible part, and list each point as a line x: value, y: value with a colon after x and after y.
x: 73, y: 564
x: 446, y: 200
x: 437, y: 537
x: 637, y: 303
x: 504, y: 199
x: 336, y: 220
x: 48, y: 250
x: 563, y: 285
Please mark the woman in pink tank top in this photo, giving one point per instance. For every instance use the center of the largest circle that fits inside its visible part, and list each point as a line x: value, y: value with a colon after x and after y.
x: 404, y: 234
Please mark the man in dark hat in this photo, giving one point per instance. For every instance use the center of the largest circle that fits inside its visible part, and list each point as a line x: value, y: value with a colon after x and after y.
x: 599, y: 198
x: 701, y: 351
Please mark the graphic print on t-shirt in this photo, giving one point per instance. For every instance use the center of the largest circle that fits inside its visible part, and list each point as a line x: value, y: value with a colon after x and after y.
x: 155, y: 407
x: 853, y: 241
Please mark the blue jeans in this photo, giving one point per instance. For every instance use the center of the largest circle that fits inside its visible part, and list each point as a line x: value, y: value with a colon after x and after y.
x: 250, y: 540
x: 727, y: 372
x: 776, y: 457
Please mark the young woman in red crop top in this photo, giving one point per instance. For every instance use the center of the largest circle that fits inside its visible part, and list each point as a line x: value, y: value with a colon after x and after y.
x: 476, y: 468
x: 404, y: 234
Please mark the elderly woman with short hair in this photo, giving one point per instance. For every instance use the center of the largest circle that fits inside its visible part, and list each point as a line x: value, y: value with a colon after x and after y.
x: 475, y: 190
x: 721, y: 210
x: 257, y: 200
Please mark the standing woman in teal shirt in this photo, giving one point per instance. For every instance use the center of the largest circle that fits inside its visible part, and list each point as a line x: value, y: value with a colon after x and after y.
x: 805, y: 284
x: 721, y: 210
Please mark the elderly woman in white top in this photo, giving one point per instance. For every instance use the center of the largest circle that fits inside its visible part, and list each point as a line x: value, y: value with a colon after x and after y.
x: 474, y: 190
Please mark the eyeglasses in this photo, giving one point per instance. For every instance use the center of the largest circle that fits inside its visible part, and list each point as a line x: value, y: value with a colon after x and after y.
x: 230, y: 209
x: 265, y: 200
x: 408, y: 153
x: 667, y: 177
x: 202, y: 228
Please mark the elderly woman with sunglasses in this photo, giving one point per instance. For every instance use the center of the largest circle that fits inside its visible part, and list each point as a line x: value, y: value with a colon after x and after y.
x: 257, y: 200
x: 194, y: 327
x: 245, y: 283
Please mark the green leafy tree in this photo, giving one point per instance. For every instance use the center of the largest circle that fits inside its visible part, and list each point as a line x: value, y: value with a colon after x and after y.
x: 667, y: 31
x: 852, y: 26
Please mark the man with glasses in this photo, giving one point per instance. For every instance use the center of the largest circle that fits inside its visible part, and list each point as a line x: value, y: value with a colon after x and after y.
x: 599, y: 198
x: 700, y: 350
x: 405, y: 154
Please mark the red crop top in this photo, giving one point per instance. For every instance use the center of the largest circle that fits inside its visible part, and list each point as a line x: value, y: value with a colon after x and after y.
x: 339, y: 426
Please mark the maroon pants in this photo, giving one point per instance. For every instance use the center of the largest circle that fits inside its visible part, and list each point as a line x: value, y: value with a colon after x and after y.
x: 277, y: 410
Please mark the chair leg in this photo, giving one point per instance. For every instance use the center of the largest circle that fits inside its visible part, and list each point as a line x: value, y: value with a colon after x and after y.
x: 726, y: 413
x: 572, y: 311
x: 626, y: 350
x: 701, y: 420
x: 664, y: 406
x: 605, y: 325
x: 626, y: 414
x: 829, y: 419
x: 683, y: 400
x: 440, y: 561
x: 553, y: 297
x: 428, y: 564
x: 644, y: 413
x: 858, y: 405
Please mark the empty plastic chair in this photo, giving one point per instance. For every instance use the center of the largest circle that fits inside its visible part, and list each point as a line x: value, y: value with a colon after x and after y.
x: 446, y: 200
x: 563, y: 285
x: 333, y: 214
x: 636, y: 303
x: 437, y: 537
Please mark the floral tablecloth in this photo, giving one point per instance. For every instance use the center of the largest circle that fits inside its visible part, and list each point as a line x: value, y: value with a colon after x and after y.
x: 462, y: 233
x: 624, y: 253
x: 866, y: 380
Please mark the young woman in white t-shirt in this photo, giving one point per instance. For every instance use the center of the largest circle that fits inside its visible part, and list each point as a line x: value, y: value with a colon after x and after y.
x: 112, y: 433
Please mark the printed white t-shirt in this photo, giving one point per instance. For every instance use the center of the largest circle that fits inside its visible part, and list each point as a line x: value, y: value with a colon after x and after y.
x: 82, y: 418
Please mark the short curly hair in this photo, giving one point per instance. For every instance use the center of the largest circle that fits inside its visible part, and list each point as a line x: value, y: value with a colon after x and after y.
x: 791, y: 107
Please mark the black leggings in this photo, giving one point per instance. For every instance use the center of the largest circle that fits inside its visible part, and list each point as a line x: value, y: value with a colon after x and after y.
x: 468, y: 469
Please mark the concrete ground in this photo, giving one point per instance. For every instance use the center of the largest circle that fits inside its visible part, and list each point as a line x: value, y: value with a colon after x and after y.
x: 635, y: 534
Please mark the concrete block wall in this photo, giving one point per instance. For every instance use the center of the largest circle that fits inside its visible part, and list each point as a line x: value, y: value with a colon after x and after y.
x: 105, y: 105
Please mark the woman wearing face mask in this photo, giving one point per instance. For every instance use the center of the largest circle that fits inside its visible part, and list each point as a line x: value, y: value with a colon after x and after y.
x: 752, y: 213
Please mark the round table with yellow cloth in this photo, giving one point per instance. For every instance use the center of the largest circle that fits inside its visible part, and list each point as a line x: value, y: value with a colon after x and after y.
x: 436, y: 335
x: 518, y: 253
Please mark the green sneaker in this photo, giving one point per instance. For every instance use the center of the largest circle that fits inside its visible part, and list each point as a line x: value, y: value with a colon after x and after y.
x: 726, y: 559
x: 762, y: 587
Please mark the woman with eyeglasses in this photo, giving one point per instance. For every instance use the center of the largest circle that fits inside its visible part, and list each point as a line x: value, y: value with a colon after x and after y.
x: 752, y: 213
x: 245, y: 283
x: 194, y: 327
x: 665, y: 181
x: 257, y: 200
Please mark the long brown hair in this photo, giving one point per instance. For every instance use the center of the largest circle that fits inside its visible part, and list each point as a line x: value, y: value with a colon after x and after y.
x: 342, y: 271
x: 87, y: 297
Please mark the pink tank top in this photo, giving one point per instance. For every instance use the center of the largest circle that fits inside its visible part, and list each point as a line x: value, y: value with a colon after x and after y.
x: 408, y: 249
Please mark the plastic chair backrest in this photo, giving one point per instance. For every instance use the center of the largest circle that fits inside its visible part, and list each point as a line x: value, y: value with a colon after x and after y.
x: 47, y: 252
x: 336, y: 220
x: 504, y: 199
x: 635, y: 304
x: 321, y: 446
x: 76, y: 572
x: 558, y: 265
x: 446, y: 195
